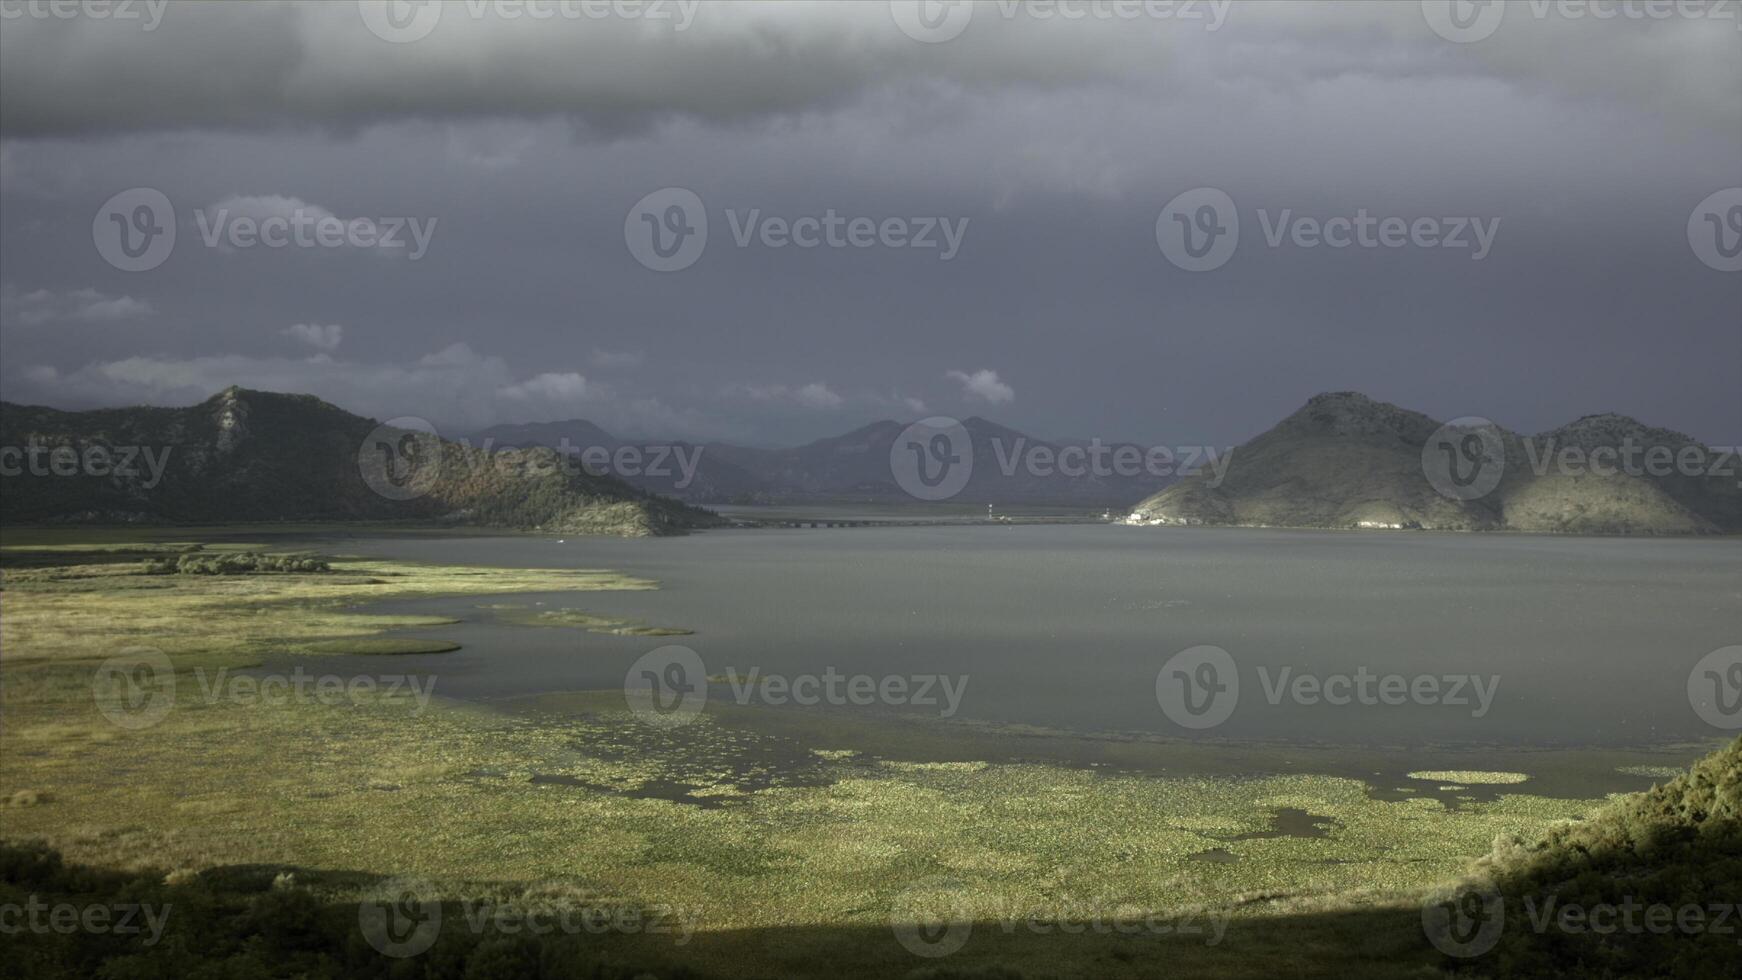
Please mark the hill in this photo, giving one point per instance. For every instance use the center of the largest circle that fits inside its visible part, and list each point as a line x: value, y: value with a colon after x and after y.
x: 244, y: 456
x: 1345, y: 460
x: 1677, y: 848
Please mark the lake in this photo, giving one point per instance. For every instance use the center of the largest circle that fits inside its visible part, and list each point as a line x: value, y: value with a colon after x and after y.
x: 1483, y: 639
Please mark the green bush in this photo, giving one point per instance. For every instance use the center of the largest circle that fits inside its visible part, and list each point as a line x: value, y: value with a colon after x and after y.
x: 234, y: 563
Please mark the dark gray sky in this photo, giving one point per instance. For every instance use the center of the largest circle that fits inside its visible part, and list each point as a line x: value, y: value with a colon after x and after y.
x: 1594, y: 142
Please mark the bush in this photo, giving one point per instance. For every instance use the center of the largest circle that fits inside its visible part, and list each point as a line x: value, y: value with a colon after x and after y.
x: 234, y: 563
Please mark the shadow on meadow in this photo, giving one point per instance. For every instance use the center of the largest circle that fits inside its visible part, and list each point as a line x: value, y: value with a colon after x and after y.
x: 271, y: 921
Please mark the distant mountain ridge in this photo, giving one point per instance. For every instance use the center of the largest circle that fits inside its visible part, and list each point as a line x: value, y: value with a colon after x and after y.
x: 1346, y: 460
x: 245, y: 456
x: 853, y: 466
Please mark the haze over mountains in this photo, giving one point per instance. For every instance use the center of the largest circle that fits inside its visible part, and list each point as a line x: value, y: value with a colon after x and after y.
x: 1345, y: 460
x: 854, y: 466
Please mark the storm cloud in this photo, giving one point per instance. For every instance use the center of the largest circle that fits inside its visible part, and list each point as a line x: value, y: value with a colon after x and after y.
x: 520, y: 136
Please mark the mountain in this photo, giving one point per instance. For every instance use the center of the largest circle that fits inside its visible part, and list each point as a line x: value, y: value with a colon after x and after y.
x: 855, y: 466
x: 1009, y: 467
x: 1345, y: 460
x: 245, y: 456
x: 675, y: 469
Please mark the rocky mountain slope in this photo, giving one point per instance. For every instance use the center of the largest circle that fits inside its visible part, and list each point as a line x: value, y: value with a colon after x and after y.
x: 244, y: 456
x: 1345, y: 460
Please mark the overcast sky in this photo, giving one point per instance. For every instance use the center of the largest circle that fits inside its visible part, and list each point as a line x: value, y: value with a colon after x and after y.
x: 1013, y: 172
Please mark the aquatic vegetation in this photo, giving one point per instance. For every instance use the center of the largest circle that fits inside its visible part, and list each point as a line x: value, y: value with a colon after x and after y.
x: 1470, y: 777
x: 520, y: 615
x: 1652, y: 772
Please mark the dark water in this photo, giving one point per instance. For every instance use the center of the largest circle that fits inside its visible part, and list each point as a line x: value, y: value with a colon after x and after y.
x: 1591, y: 640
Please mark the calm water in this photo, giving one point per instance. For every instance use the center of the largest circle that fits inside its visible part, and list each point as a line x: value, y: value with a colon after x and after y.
x: 1591, y: 640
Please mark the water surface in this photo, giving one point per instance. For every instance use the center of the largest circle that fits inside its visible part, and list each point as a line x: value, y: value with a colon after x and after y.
x: 1590, y: 640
